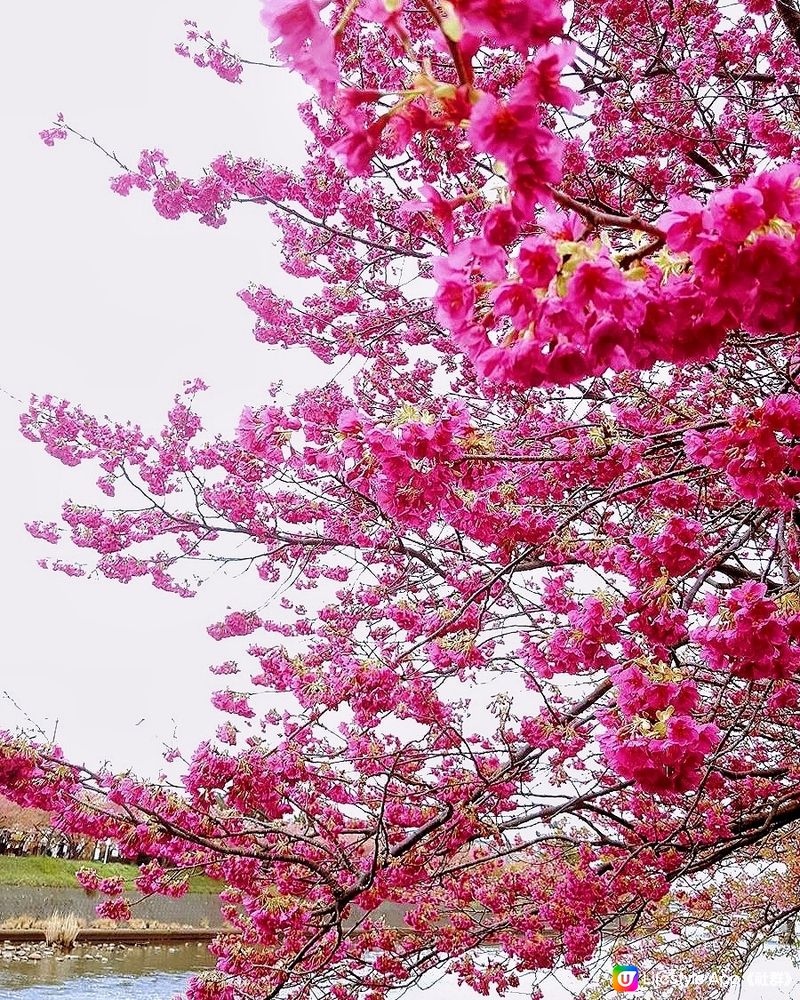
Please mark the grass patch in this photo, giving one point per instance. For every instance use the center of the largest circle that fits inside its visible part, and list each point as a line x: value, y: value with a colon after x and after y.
x: 59, y: 873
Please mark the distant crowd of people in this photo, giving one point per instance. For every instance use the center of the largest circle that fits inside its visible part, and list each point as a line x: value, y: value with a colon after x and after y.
x: 55, y: 845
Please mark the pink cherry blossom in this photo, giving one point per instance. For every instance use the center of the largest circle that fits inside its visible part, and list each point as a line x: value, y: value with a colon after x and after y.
x: 303, y: 40
x: 510, y: 589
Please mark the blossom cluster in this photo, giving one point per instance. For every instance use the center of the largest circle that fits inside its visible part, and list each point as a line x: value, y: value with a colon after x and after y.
x: 757, y: 451
x: 411, y: 467
x: 206, y: 53
x: 654, y: 738
x: 748, y: 635
x: 561, y: 311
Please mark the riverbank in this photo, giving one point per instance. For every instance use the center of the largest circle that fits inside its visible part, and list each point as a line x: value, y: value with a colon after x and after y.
x: 116, y: 936
x: 25, y: 906
x: 41, y: 872
x: 19, y: 950
x: 100, y: 944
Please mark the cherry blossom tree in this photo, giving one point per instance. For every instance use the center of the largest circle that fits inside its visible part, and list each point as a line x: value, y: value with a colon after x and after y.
x: 536, y: 646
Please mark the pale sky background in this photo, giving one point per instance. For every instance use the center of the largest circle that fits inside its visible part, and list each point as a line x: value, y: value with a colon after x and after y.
x: 106, y: 304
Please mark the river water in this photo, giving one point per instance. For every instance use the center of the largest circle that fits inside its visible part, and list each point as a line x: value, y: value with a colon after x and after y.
x: 161, y: 973
x: 141, y: 973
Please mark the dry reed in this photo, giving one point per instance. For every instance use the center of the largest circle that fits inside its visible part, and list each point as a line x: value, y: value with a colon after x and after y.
x: 61, y: 930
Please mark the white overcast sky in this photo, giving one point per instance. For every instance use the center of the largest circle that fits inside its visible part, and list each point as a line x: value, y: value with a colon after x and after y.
x: 106, y: 304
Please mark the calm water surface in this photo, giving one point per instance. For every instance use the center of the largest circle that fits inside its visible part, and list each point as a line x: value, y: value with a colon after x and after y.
x: 128, y: 974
